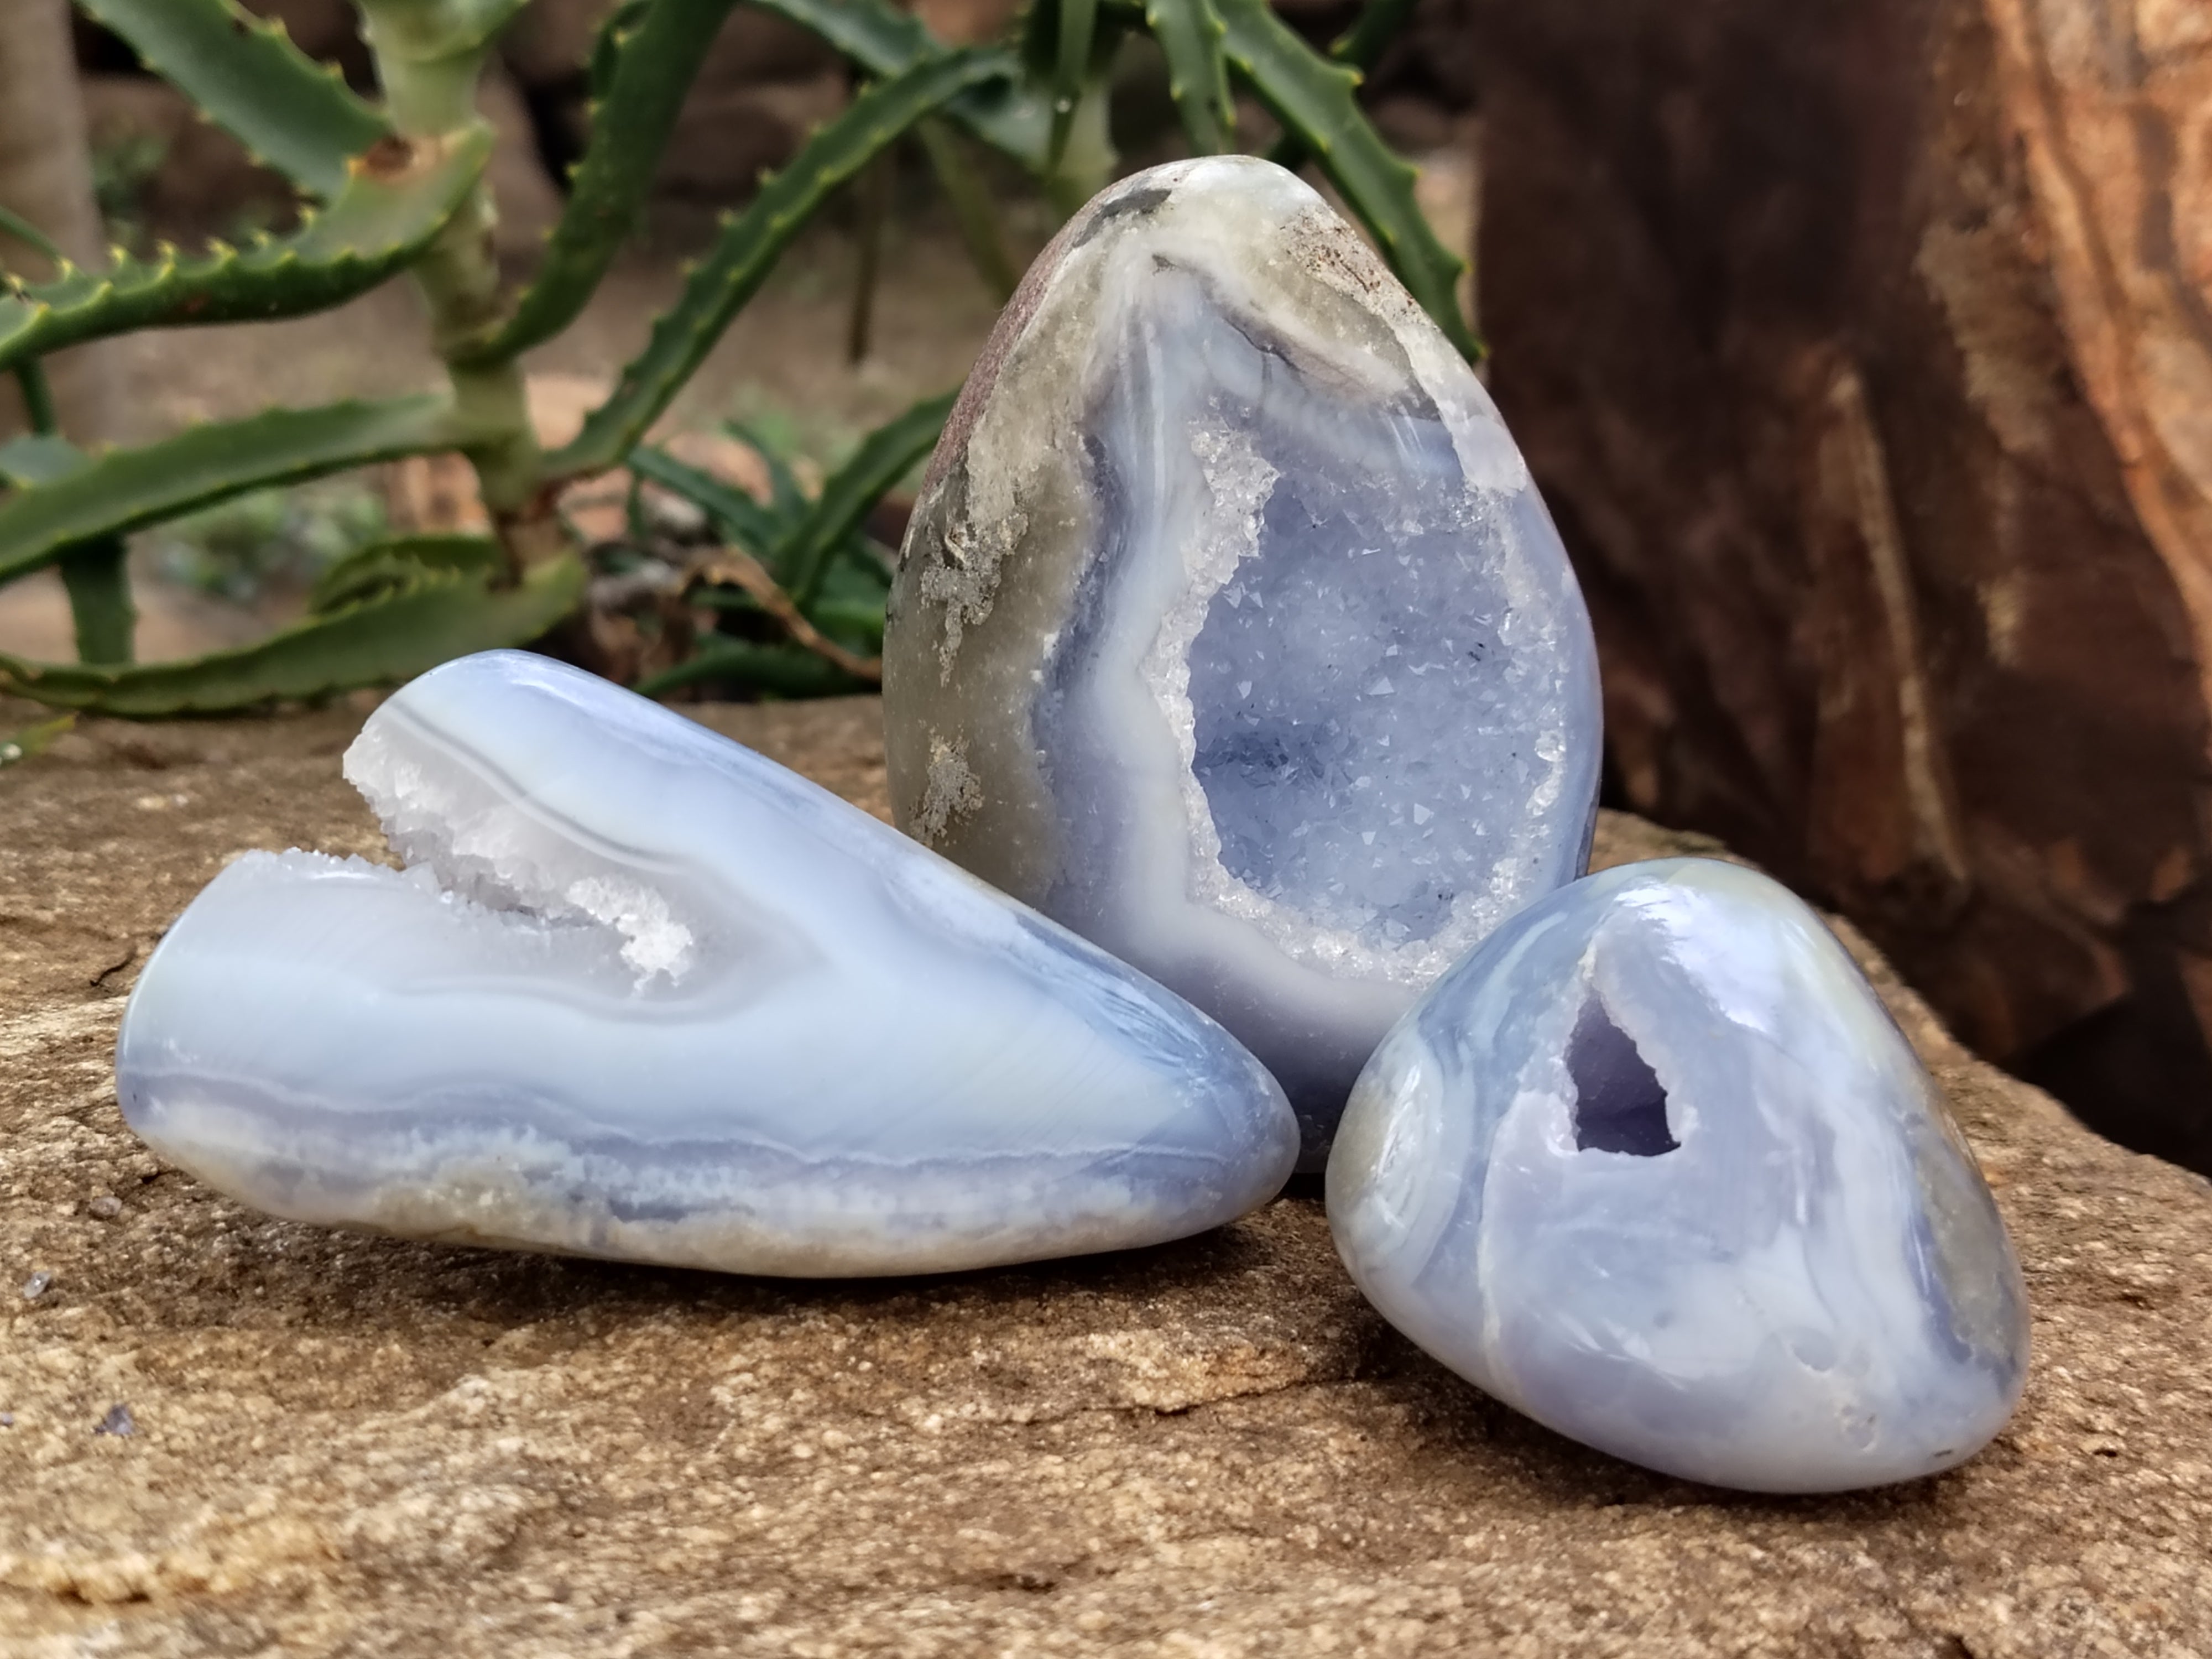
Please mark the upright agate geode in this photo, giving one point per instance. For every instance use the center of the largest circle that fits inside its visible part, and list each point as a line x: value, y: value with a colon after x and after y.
x: 1230, y: 630
x: 1654, y: 1166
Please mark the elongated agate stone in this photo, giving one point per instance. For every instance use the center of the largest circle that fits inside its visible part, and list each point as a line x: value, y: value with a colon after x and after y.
x: 1654, y: 1166
x: 1230, y: 630
x: 642, y: 993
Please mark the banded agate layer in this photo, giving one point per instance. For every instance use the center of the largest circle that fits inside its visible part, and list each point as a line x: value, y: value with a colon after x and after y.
x: 642, y: 993
x: 1654, y: 1166
x: 1229, y: 629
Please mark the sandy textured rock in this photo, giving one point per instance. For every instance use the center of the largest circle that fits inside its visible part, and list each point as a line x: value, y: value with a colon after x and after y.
x: 351, y: 1445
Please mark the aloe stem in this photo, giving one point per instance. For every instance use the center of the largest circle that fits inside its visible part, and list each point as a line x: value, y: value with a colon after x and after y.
x: 93, y: 573
x: 980, y: 230
x: 875, y: 188
x: 1359, y: 47
x: 1087, y: 163
x: 38, y: 397
x: 98, y: 590
x: 430, y: 92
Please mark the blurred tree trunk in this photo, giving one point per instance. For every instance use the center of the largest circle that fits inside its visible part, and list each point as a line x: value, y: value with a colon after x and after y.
x: 1865, y: 353
x: 45, y: 177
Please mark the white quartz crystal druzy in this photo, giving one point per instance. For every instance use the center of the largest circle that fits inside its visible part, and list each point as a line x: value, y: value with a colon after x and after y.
x: 642, y: 993
x: 1231, y: 631
x: 1654, y: 1166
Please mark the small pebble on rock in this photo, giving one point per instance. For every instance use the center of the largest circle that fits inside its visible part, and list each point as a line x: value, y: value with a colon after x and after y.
x: 105, y: 1207
x: 118, y: 1422
x: 36, y: 1286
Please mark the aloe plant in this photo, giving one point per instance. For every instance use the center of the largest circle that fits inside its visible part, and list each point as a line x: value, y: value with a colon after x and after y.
x: 395, y: 188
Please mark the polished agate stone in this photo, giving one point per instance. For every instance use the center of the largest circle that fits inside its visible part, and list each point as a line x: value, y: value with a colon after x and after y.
x: 1230, y: 630
x: 641, y: 993
x: 1653, y: 1166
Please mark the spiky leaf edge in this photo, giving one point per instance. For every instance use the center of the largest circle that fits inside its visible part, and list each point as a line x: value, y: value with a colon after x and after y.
x: 395, y: 201
x: 1189, y: 34
x: 850, y: 494
x: 1312, y: 98
x: 1009, y: 114
x: 247, y: 77
x: 380, y: 640
x: 750, y: 245
x: 122, y: 489
x: 645, y: 62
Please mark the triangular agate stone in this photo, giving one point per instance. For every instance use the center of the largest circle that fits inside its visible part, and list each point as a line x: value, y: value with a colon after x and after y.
x: 1654, y: 1166
x: 1229, y: 629
x: 641, y: 993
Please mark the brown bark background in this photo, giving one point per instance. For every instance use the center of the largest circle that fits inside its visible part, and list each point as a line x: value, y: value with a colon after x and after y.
x: 1863, y: 350
x: 45, y: 177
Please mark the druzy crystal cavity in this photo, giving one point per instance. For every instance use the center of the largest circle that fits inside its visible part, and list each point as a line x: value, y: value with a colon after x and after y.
x: 642, y: 993
x: 1654, y: 1166
x: 1229, y: 629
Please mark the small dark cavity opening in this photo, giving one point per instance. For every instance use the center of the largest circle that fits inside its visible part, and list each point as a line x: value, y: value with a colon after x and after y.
x: 1619, y: 1105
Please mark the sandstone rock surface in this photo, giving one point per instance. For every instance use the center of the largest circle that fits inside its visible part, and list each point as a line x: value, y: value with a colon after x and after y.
x: 350, y: 1445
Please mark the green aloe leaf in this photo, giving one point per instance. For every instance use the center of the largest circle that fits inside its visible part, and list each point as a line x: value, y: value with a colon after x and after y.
x: 615, y: 30
x: 38, y: 397
x: 124, y: 488
x: 24, y: 231
x: 1189, y: 34
x: 887, y: 455
x: 1006, y: 113
x: 1378, y: 24
x: 787, y: 498
x: 856, y: 623
x: 1073, y: 27
x: 648, y: 56
x: 100, y: 609
x: 41, y: 458
x: 788, y: 670
x: 385, y: 568
x: 738, y: 516
x: 973, y: 209
x: 441, y: 615
x: 749, y: 247
x: 395, y: 200
x: 247, y: 76
x: 93, y: 573
x: 1312, y: 98
x: 432, y: 30
x: 479, y: 20
x: 1359, y: 47
x: 30, y: 379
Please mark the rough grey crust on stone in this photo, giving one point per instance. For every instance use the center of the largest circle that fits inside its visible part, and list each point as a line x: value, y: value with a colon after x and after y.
x: 1229, y: 629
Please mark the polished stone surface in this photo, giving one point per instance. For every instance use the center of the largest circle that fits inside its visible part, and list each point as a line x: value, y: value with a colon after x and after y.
x: 641, y: 993
x: 1231, y: 631
x: 1654, y: 1166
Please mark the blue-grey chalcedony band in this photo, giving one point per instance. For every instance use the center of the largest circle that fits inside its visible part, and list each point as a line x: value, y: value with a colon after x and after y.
x: 1229, y: 629
x: 645, y: 994
x: 1654, y: 1166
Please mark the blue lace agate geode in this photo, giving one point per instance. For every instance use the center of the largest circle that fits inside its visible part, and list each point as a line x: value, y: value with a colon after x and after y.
x: 642, y: 993
x: 1654, y: 1166
x: 1231, y: 631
